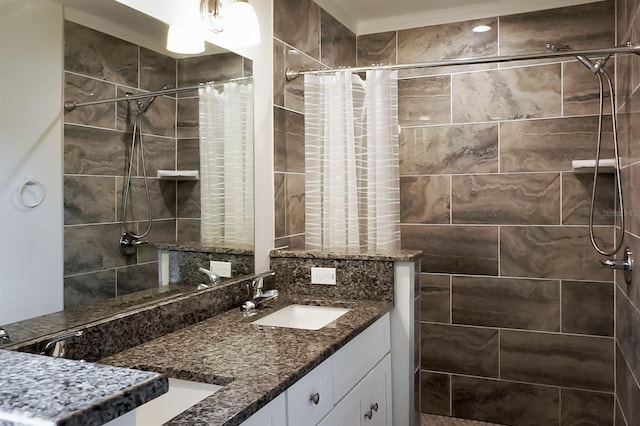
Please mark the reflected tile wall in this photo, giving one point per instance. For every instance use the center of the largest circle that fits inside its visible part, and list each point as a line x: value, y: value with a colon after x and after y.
x: 374, y: 49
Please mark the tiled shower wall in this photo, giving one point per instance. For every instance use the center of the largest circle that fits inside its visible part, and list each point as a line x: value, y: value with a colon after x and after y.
x: 628, y: 296
x: 97, y: 141
x: 517, y: 312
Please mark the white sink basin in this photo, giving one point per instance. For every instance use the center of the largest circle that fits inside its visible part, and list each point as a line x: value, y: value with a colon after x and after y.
x: 302, y: 316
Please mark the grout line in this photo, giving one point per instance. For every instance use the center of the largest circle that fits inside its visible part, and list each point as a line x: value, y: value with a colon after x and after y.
x: 511, y: 225
x: 520, y: 330
x: 617, y: 402
x: 633, y: 376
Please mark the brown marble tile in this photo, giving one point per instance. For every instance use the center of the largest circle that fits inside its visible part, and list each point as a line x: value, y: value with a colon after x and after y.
x: 435, y: 298
x: 188, y: 121
x: 581, y: 95
x: 505, y: 402
x: 627, y: 332
x: 95, y: 151
x: 288, y: 141
x: 92, y: 53
x: 83, y: 89
x: 188, y: 230
x: 188, y: 199
x: 199, y: 69
x: 447, y: 41
x: 585, y: 26
x: 89, y: 199
x: 630, y: 187
x: 279, y: 70
x: 506, y: 302
x: 552, y: 252
x: 82, y: 290
x: 423, y: 101
x: 137, y: 278
x: 280, y: 212
x: 576, y: 199
x: 158, y: 120
x: 162, y: 194
x: 463, y: 350
x: 629, y: 130
x: 454, y: 249
x: 550, y: 145
x: 188, y: 154
x: 632, y: 290
x: 435, y: 393
x: 618, y: 419
x: 294, y: 90
x: 424, y: 199
x: 557, y: 359
x: 449, y: 149
x: 375, y: 49
x: 587, y: 307
x: 337, y: 42
x: 92, y: 248
x: 162, y: 232
x: 295, y: 204
x: 518, y: 199
x: 624, y: 78
x: 304, y: 35
x: 580, y: 407
x: 622, y: 23
x: 507, y: 94
x: 627, y: 391
x: 160, y: 154
x: 156, y: 70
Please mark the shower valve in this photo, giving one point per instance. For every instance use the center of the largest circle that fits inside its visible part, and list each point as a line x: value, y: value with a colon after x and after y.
x: 129, y: 244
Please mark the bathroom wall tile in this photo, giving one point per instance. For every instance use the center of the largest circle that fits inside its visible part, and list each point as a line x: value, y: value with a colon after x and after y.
x: 550, y: 145
x: 528, y: 32
x: 580, y: 91
x: 200, y: 69
x: 552, y: 252
x: 624, y: 78
x: 188, y: 230
x: 295, y: 203
x: 618, y: 419
x: 99, y: 55
x: 519, y: 199
x: 622, y: 24
x: 188, y: 154
x: 280, y: 206
x: 89, y: 199
x: 82, y: 89
x: 505, y: 402
x: 294, y: 89
x: 425, y: 199
x: 447, y: 41
x: 457, y: 349
x: 627, y: 332
x: 435, y: 393
x: 424, y: 101
x: 507, y: 94
x: 92, y: 248
x: 137, y: 278
x: 337, y: 42
x: 162, y: 232
x: 557, y: 359
x: 290, y: 243
x: 95, y: 151
x: 379, y: 48
x: 156, y: 70
x: 160, y: 154
x: 188, y: 199
x: 454, y: 249
x: 435, y: 295
x: 82, y: 290
x: 158, y: 120
x: 279, y: 70
x: 576, y: 199
x: 188, y: 121
x: 288, y: 141
x: 583, y: 408
x: 162, y: 194
x: 632, y: 290
x: 629, y: 130
x: 247, y: 67
x: 506, y: 302
x: 630, y: 188
x: 627, y: 390
x: 305, y: 34
x: 449, y: 149
x: 587, y: 307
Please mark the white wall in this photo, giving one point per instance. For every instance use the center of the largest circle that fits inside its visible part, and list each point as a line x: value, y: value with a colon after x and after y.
x: 31, y: 84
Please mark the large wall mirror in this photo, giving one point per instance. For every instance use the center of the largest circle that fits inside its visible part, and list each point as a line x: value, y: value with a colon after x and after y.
x: 175, y: 170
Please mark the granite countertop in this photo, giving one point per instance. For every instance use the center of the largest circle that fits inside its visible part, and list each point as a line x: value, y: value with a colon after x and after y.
x: 42, y: 390
x: 253, y: 363
x: 395, y: 256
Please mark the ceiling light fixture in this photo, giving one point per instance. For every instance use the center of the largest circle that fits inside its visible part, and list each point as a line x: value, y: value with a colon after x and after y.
x: 481, y: 29
x: 184, y: 40
x: 236, y: 18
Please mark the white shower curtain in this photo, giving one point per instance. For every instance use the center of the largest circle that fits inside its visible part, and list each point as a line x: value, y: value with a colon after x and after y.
x: 352, y: 187
x: 226, y: 164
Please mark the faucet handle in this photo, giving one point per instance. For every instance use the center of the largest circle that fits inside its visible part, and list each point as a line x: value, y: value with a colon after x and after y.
x: 258, y: 282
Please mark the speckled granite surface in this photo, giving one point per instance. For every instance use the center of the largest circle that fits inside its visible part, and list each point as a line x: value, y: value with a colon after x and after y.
x: 254, y: 363
x: 431, y: 420
x: 64, y: 392
x: 192, y: 246
x: 184, y: 265
x: 397, y: 256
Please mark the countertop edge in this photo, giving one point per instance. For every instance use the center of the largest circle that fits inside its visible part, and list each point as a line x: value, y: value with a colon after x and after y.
x: 396, y: 256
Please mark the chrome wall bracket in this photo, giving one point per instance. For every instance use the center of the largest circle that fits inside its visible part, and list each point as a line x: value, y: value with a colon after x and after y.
x: 626, y: 265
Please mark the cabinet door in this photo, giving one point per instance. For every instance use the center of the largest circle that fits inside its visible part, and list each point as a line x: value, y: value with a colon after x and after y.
x: 346, y: 413
x: 272, y: 414
x: 375, y: 401
x: 311, y: 398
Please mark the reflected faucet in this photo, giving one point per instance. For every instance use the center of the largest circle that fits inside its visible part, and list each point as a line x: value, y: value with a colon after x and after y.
x: 213, y: 278
x: 57, y: 347
x: 259, y: 297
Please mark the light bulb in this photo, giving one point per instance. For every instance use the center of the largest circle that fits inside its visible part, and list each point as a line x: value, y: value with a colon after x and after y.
x: 241, y: 24
x: 184, y: 40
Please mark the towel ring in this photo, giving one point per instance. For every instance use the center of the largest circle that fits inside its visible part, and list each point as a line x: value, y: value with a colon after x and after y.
x: 31, y: 182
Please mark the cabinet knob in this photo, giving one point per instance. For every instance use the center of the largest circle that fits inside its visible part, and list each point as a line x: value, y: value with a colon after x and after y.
x: 374, y: 407
x: 368, y: 414
x: 315, y: 398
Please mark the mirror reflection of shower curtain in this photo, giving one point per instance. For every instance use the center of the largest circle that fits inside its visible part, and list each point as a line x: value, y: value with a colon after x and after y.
x: 226, y: 164
x: 352, y: 185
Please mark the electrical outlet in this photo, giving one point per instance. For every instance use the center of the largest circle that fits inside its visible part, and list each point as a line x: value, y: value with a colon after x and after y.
x: 323, y: 276
x: 221, y: 269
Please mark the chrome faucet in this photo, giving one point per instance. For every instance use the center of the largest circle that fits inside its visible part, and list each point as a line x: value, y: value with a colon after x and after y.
x: 259, y: 297
x: 4, y: 337
x: 213, y: 279
x: 57, y: 347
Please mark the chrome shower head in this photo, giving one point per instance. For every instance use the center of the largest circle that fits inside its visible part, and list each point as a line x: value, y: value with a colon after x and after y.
x: 594, y: 67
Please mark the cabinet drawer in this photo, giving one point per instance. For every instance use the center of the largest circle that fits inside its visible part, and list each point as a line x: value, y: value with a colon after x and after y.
x: 311, y: 398
x: 356, y: 358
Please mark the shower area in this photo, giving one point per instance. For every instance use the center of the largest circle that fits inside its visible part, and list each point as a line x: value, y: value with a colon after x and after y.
x: 520, y: 322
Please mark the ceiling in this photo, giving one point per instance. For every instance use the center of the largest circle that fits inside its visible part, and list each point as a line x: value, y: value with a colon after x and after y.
x: 372, y: 16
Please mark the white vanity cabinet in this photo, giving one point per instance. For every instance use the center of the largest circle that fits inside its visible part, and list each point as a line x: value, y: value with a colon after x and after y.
x: 272, y: 414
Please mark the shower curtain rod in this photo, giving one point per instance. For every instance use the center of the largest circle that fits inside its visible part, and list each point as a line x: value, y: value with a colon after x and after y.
x: 292, y: 74
x: 71, y: 105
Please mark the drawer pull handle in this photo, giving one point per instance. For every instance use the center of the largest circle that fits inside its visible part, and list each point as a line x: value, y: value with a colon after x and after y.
x: 315, y: 398
x: 368, y: 414
x: 374, y: 407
